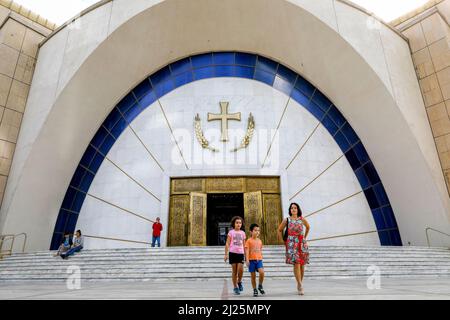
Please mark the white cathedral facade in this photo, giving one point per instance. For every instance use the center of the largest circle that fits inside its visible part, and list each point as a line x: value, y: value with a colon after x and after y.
x: 196, y: 111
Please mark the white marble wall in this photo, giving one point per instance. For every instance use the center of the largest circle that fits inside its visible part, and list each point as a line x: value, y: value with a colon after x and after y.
x: 136, y: 174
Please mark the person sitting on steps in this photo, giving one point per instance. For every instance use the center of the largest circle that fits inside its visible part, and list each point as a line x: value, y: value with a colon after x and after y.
x: 77, y: 245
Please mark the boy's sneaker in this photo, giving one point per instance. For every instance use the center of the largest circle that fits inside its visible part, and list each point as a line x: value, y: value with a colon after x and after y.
x: 241, y: 287
x: 236, y: 291
x: 255, y: 292
x: 260, y: 288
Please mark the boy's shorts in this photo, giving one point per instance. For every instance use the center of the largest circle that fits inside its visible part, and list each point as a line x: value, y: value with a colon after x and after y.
x: 255, y: 265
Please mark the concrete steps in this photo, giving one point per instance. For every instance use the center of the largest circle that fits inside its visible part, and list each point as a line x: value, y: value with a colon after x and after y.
x: 180, y: 263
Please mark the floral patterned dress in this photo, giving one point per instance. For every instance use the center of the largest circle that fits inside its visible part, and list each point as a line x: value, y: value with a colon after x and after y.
x: 297, y: 251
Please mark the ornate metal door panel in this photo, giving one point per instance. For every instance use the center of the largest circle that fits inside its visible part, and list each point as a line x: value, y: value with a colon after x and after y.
x: 253, y: 211
x: 272, y: 217
x: 178, y: 224
x: 197, y: 219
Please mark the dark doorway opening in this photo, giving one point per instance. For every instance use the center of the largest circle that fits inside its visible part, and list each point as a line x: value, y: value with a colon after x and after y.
x: 221, y: 208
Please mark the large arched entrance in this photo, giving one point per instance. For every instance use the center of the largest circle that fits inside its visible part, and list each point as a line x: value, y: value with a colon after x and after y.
x: 178, y: 86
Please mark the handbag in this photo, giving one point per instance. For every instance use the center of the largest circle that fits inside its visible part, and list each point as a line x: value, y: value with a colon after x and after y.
x: 285, y: 235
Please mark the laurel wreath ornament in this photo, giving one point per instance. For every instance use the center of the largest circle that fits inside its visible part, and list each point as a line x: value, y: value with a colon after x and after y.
x: 205, y: 143
x: 248, y: 136
x: 200, y: 136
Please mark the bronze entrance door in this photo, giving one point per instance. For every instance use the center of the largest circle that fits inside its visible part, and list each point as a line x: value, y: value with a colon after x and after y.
x: 188, y: 209
x: 197, y: 219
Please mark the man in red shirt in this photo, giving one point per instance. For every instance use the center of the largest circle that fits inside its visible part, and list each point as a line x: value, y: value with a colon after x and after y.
x: 157, y: 227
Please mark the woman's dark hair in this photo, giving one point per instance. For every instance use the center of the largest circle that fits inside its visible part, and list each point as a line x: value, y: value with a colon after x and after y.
x: 79, y: 232
x: 233, y: 221
x: 298, y: 209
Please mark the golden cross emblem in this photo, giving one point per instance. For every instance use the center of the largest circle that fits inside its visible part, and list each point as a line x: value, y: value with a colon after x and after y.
x: 224, y: 116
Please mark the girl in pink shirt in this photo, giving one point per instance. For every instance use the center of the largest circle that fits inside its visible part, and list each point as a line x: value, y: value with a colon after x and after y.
x: 234, y: 250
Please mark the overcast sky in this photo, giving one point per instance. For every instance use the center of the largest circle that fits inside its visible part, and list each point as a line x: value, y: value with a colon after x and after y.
x: 59, y: 11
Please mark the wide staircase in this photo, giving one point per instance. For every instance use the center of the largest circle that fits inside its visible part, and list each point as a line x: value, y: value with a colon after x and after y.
x: 181, y: 263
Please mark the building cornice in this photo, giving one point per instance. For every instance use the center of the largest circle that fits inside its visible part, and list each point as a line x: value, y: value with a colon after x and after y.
x: 103, y: 2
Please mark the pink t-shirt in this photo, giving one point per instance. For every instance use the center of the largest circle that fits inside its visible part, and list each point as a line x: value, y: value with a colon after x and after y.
x: 237, y: 241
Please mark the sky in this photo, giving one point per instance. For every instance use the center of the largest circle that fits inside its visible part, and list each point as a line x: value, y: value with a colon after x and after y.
x: 59, y: 11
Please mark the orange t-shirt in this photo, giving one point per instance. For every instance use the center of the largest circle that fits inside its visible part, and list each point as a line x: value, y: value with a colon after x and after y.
x: 254, y: 249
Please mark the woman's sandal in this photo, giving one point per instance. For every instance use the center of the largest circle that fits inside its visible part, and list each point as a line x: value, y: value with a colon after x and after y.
x: 300, y: 289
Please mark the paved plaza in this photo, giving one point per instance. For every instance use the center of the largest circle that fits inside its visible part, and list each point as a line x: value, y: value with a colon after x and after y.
x: 390, y: 288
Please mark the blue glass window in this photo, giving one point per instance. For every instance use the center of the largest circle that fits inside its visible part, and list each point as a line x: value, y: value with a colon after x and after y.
x: 107, y: 145
x: 329, y: 125
x: 183, y: 79
x: 337, y: 116
x: 379, y: 220
x: 287, y: 74
x: 321, y: 101
x: 126, y: 102
x: 119, y: 128
x: 99, y: 137
x: 362, y: 178
x: 72, y: 222
x: 62, y: 220
x: 361, y: 153
x: 161, y: 76
x: 202, y: 60
x: 283, y: 85
x: 142, y: 89
x: 371, y: 173
x: 352, y: 159
x: 223, y: 58
x: 68, y: 198
x: 245, y: 59
x: 77, y: 177
x: 111, y: 120
x: 78, y: 203
x: 203, y: 73
x: 224, y: 71
x: 371, y: 198
x: 304, y: 86
x: 381, y: 194
x: 56, y: 239
x: 164, y: 87
x: 264, y: 76
x: 96, y: 162
x: 87, y: 180
x: 342, y: 142
x: 389, y: 217
x: 395, y: 238
x: 87, y: 156
x: 266, y: 65
x: 146, y: 100
x: 315, y: 110
x: 244, y: 72
x: 384, y: 238
x: 181, y: 66
x: 350, y: 134
x: 131, y: 114
x: 300, y: 97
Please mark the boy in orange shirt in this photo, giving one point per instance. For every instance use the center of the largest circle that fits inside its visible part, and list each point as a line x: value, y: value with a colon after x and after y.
x: 253, y: 255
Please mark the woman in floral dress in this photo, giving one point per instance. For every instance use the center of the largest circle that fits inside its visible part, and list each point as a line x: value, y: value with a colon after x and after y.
x: 297, y: 252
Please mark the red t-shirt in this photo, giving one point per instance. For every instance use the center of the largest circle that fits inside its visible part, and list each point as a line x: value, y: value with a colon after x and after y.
x: 157, y: 227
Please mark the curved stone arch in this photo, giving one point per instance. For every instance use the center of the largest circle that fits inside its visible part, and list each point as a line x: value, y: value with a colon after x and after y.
x: 227, y: 64
x: 62, y: 116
